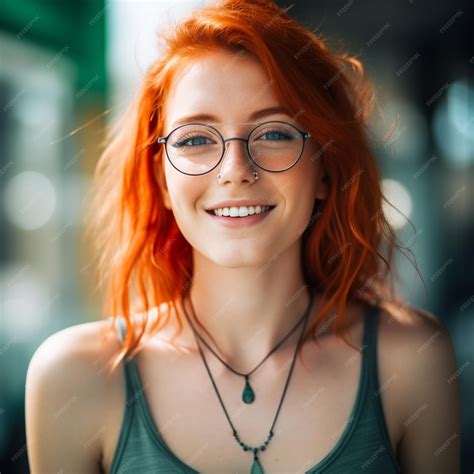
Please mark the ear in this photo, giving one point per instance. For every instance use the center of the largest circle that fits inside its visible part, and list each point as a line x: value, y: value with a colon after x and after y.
x: 322, y: 187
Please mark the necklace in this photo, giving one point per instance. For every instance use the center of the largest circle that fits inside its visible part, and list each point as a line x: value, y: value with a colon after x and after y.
x: 248, y: 393
x: 256, y: 465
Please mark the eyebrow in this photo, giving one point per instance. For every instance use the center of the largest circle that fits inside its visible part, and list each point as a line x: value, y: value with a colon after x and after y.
x: 212, y: 118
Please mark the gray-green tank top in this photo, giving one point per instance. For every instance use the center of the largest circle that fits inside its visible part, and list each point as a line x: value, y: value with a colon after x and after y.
x: 363, y: 447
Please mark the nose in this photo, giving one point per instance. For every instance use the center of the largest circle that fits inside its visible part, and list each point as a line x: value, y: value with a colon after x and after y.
x: 236, y: 164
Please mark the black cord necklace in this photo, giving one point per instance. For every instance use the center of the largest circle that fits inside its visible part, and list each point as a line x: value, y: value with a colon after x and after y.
x: 256, y: 465
x: 248, y: 393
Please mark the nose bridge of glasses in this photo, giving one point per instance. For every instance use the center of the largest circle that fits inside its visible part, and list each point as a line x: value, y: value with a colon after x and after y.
x: 236, y: 138
x: 245, y: 140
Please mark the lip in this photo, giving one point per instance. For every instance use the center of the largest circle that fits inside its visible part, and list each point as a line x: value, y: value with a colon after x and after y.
x: 237, y: 222
x: 238, y: 203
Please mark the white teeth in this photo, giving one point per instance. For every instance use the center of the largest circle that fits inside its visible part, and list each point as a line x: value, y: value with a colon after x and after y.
x: 241, y: 211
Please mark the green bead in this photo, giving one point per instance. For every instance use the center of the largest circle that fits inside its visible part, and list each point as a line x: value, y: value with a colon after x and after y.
x: 248, y: 396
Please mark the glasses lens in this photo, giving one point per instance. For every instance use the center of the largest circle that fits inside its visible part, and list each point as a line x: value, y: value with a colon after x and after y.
x: 194, y: 149
x: 275, y: 146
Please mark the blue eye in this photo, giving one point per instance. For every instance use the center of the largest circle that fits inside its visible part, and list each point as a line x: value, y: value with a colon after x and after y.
x: 186, y: 140
x: 277, y: 136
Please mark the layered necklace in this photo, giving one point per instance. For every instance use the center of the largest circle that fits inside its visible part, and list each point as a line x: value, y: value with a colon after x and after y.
x: 248, y: 394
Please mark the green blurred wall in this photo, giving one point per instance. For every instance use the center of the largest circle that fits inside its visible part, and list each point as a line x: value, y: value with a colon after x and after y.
x: 77, y: 28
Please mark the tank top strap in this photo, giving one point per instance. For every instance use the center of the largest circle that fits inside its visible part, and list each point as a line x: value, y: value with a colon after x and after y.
x: 131, y: 381
x: 370, y: 341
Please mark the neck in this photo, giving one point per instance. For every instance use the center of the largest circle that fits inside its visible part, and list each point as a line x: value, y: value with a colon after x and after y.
x: 246, y: 319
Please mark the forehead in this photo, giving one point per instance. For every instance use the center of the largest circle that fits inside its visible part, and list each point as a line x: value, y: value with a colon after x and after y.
x: 229, y: 85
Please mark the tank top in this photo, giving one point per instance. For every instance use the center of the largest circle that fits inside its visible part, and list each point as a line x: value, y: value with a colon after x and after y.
x: 364, y: 445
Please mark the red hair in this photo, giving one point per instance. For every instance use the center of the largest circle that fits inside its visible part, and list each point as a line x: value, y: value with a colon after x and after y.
x: 144, y: 259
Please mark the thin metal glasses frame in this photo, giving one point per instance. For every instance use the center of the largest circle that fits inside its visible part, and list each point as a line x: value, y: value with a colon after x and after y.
x: 164, y: 140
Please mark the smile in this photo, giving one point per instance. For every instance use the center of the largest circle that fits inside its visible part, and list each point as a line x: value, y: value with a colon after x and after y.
x: 239, y: 220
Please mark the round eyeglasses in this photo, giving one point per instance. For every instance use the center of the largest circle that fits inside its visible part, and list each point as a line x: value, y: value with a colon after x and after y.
x: 196, y: 148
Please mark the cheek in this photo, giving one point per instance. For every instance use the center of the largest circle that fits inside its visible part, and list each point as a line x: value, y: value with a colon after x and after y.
x: 299, y: 192
x: 185, y: 193
x: 310, y: 164
x: 310, y: 170
x: 299, y: 183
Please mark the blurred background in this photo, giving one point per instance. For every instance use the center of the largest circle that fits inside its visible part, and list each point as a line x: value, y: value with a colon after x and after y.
x: 69, y: 68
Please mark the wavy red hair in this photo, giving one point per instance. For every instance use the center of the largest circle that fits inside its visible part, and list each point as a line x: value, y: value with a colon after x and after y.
x: 145, y: 261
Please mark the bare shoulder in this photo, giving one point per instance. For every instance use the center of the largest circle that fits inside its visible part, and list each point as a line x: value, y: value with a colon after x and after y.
x: 417, y: 350
x: 65, y: 398
x: 412, y: 337
x: 77, y: 349
x: 411, y: 330
x: 404, y: 317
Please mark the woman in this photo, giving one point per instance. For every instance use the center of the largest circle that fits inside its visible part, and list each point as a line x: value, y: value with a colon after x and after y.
x: 239, y: 220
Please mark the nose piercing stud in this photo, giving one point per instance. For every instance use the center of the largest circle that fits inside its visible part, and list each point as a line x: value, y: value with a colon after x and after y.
x: 255, y: 175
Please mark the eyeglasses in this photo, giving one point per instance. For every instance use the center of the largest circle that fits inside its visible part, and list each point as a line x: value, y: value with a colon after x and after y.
x: 195, y: 148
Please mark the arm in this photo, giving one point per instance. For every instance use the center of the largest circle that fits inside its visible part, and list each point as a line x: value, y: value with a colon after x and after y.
x: 432, y: 424
x: 62, y: 405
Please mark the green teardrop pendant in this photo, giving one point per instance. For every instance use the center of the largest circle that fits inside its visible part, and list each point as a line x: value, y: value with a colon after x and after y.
x: 247, y: 395
x: 256, y: 467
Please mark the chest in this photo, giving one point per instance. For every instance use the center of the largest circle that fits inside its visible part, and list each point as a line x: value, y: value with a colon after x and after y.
x: 314, y: 414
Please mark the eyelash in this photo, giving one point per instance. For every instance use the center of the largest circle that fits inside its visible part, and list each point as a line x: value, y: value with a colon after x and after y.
x: 186, y: 138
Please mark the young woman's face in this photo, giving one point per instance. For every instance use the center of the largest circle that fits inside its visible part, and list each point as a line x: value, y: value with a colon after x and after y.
x: 232, y: 87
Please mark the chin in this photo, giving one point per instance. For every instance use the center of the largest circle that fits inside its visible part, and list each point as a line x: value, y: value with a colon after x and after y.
x: 236, y: 256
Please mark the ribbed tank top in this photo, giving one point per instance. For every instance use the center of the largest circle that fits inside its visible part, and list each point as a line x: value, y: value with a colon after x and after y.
x: 364, y: 445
